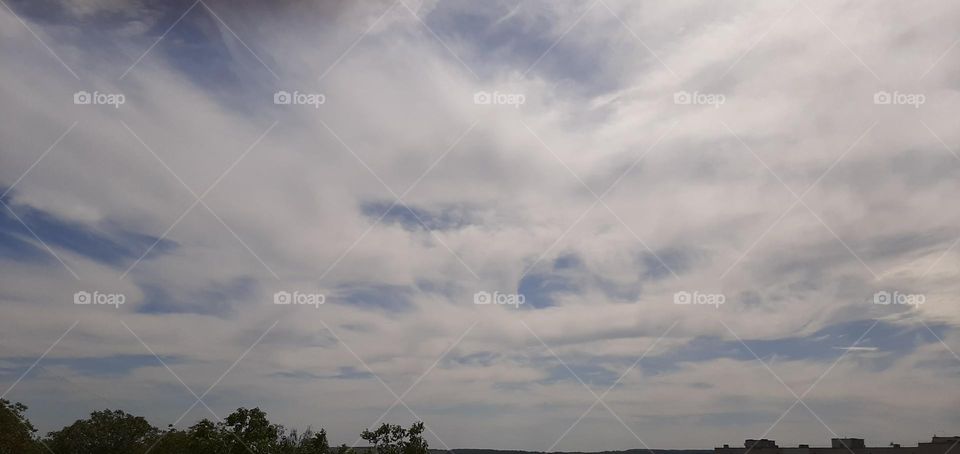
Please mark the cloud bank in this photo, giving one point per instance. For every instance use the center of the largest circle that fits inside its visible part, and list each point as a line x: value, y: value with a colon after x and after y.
x: 797, y: 159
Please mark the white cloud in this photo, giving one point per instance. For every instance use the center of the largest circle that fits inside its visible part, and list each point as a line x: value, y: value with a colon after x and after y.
x: 399, y: 99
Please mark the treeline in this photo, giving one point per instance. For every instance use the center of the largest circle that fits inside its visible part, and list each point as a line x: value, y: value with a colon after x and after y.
x: 245, y: 431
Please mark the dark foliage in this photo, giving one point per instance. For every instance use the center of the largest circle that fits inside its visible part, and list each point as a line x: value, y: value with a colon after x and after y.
x: 245, y: 431
x: 17, y: 435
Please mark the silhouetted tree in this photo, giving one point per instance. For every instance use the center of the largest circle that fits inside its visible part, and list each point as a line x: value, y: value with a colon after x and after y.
x: 105, y: 432
x: 306, y: 443
x: 206, y: 437
x: 170, y: 441
x: 245, y: 431
x: 394, y: 439
x: 314, y: 443
x: 252, y: 431
x: 17, y: 434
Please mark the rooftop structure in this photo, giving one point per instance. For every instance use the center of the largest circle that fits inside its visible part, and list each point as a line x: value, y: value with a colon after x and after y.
x: 938, y: 445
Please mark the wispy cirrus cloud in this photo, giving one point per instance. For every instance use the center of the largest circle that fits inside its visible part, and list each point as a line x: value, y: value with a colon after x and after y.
x: 609, y: 189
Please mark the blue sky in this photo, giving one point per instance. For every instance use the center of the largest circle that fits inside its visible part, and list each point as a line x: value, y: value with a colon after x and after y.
x: 602, y: 159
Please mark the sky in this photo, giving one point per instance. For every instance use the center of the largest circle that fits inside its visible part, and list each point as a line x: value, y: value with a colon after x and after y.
x: 693, y: 222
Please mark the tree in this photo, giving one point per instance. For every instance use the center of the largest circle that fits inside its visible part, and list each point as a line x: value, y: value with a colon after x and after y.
x: 105, y: 432
x: 394, y: 439
x: 245, y: 431
x: 251, y: 431
x: 314, y: 443
x: 17, y: 434
x: 205, y: 437
x: 171, y: 441
x: 307, y: 442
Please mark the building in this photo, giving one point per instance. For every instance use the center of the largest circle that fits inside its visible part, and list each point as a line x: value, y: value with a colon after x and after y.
x: 939, y: 445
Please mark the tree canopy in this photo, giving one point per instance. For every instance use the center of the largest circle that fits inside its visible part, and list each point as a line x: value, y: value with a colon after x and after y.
x: 245, y: 431
x: 18, y: 435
